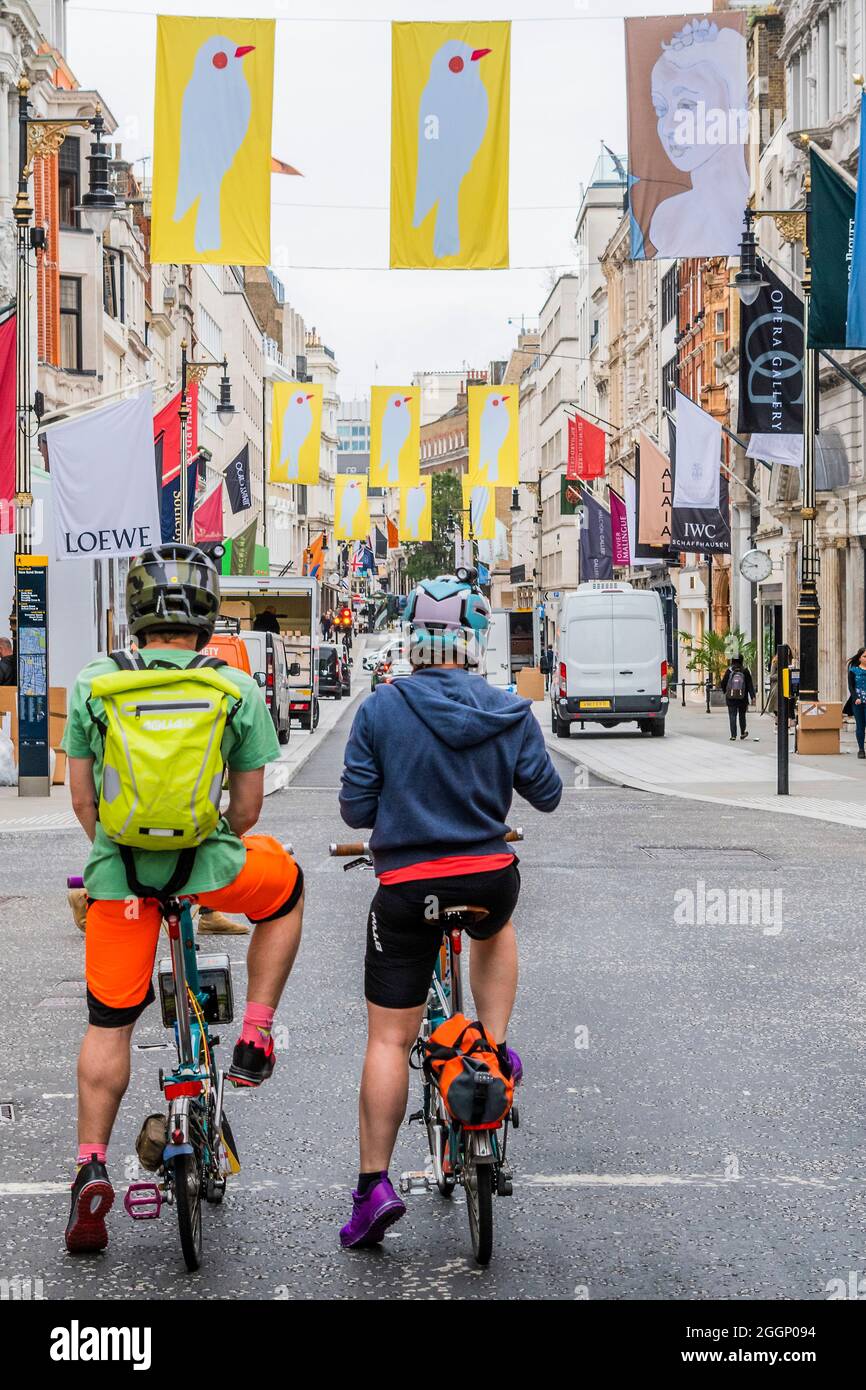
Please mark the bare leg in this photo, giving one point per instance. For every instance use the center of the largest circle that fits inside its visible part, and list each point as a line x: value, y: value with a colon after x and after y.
x: 493, y: 978
x: 385, y: 1082
x: 271, y: 956
x: 103, y: 1076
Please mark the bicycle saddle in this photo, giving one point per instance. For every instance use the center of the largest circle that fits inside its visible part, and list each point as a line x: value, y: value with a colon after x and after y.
x: 465, y: 913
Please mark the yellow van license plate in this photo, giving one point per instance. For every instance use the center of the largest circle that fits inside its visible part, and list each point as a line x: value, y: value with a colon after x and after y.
x: 595, y: 704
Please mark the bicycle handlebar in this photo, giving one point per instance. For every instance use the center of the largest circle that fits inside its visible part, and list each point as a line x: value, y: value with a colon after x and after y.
x: 346, y: 851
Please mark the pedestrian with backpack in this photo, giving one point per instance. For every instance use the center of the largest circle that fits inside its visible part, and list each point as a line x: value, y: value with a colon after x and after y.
x: 739, y: 689
x: 150, y: 735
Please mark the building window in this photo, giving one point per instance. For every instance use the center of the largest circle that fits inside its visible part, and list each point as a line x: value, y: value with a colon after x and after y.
x: 720, y: 321
x: 69, y: 181
x: 70, y: 322
x: 670, y: 289
x: 113, y: 289
x: 669, y: 384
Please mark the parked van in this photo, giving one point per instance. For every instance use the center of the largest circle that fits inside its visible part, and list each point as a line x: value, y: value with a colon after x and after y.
x: 611, y: 663
x: 273, y: 667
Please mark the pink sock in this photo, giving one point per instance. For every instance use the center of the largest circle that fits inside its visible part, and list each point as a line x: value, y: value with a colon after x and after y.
x: 87, y: 1151
x: 257, y: 1024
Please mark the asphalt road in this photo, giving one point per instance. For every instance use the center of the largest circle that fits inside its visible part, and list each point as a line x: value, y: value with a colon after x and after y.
x: 692, y: 1115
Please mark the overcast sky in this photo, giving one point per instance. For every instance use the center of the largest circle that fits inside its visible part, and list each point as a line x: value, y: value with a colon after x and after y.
x: 332, y: 121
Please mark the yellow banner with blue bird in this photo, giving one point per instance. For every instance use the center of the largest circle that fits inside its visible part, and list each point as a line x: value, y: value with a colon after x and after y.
x: 450, y: 92
x: 296, y: 431
x: 494, y: 443
x: 212, y: 141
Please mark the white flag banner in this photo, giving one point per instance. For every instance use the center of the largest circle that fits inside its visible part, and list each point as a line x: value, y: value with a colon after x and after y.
x: 103, y: 478
x: 699, y: 454
x: 628, y: 488
x: 777, y: 448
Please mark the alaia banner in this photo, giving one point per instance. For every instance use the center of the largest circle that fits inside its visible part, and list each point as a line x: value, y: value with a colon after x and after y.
x: 771, y: 360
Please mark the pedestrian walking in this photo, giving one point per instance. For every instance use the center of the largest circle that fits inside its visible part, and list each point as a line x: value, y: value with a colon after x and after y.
x: 739, y: 689
x: 327, y: 620
x: 856, y: 702
x: 545, y: 665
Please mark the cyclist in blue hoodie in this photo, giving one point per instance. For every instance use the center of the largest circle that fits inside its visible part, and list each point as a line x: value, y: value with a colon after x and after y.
x: 431, y: 764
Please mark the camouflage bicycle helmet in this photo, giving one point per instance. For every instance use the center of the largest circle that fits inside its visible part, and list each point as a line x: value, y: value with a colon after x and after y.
x: 448, y: 620
x: 172, y: 587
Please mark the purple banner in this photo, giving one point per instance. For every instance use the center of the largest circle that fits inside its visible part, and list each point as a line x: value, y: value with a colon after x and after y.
x: 619, y: 528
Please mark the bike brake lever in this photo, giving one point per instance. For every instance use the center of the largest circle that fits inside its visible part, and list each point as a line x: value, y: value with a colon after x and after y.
x: 360, y: 863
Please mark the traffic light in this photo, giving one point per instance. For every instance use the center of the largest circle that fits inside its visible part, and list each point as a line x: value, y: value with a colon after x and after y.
x: 344, y: 617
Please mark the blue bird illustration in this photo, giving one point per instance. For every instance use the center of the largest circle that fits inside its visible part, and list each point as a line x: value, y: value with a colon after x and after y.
x: 215, y: 117
x: 350, y: 505
x: 396, y: 423
x: 295, y: 431
x: 416, y: 503
x: 452, y: 122
x: 478, y: 504
x: 495, y: 424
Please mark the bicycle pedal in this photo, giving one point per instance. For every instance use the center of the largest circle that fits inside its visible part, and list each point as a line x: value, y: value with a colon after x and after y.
x: 414, y: 1182
x: 504, y: 1180
x: 143, y: 1201
x: 416, y: 1115
x: 515, y: 1117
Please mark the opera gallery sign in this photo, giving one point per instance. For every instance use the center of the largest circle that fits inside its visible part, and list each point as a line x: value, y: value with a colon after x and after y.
x: 104, y: 482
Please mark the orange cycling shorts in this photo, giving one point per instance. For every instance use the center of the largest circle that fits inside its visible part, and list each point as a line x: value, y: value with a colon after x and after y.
x: 121, y: 940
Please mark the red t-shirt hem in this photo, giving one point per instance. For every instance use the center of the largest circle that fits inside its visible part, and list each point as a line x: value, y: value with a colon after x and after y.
x: 452, y: 866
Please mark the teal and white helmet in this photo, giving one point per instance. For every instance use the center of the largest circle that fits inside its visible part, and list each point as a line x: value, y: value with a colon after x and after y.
x: 447, y: 620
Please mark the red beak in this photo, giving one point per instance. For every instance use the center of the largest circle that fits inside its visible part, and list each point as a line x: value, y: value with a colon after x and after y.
x: 310, y: 396
x: 480, y: 53
x: 406, y: 400
x: 503, y: 398
x: 244, y: 49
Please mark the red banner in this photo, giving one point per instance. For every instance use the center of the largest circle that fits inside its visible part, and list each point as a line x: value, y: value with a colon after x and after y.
x: 586, y: 445
x: 166, y: 423
x: 7, y: 425
x: 207, y: 520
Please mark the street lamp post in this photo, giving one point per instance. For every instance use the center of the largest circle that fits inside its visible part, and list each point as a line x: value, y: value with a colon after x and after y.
x: 793, y: 226
x: 39, y: 137
x: 193, y: 371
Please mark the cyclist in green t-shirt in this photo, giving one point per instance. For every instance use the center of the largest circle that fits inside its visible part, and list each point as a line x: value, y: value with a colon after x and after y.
x: 172, y: 601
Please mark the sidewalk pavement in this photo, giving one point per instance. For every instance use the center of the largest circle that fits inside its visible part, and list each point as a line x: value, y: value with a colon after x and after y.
x: 696, y: 761
x: 54, y: 812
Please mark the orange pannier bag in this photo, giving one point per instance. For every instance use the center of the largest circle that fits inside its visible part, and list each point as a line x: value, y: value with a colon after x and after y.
x: 462, y: 1060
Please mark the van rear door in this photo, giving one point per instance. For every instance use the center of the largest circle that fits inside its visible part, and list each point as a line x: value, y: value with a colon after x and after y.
x: 638, y: 644
x: 587, y: 651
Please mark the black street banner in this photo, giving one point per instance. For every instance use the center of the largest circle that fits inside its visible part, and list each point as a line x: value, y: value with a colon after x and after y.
x: 237, y: 476
x: 771, y: 360
x: 703, y: 530
x: 831, y: 244
x: 596, y: 541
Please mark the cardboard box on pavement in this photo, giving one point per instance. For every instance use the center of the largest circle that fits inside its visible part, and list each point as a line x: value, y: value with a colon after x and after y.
x: 819, y: 726
x: 530, y: 683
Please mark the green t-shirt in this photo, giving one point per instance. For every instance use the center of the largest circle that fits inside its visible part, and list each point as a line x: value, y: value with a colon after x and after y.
x: 248, y: 743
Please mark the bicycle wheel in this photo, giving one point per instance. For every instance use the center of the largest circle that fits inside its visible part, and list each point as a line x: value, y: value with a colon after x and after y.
x: 187, y: 1199
x: 478, y: 1182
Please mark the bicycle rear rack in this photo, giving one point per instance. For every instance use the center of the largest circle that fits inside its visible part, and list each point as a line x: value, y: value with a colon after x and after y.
x: 143, y: 1201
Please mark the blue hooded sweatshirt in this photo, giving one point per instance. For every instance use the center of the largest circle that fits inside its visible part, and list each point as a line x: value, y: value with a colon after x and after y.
x: 432, y: 762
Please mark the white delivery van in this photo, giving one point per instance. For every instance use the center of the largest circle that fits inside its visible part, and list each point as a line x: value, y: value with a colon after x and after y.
x: 510, y: 645
x: 611, y: 659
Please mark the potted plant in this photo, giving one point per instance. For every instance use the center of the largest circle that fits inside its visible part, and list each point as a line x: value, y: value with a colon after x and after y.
x: 712, y: 655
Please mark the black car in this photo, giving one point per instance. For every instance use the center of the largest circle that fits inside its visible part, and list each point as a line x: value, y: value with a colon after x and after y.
x: 335, y: 677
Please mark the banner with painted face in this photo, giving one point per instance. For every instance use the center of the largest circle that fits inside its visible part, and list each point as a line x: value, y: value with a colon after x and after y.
x: 450, y: 88
x: 296, y: 432
x: 351, y: 508
x: 212, y: 141
x: 479, y: 506
x: 688, y: 124
x: 395, y: 436
x: 416, y: 511
x: 494, y: 445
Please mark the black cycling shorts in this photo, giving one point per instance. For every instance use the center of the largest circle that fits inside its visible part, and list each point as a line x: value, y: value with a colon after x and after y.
x: 404, y: 936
